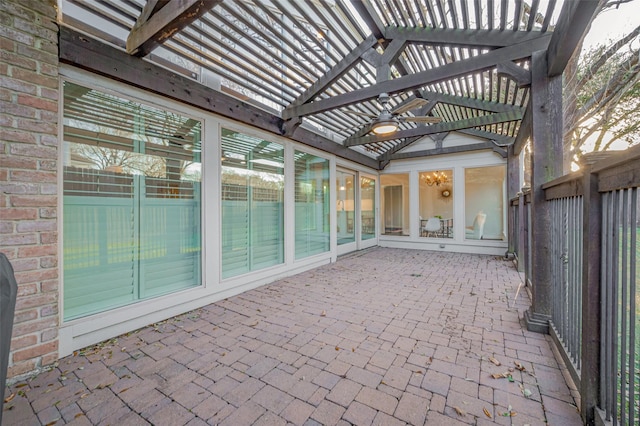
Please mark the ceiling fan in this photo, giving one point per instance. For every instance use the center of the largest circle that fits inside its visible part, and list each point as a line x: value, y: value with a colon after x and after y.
x: 388, y: 120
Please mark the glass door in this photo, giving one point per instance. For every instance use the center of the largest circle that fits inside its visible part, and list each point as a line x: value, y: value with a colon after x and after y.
x: 367, y: 211
x: 345, y: 207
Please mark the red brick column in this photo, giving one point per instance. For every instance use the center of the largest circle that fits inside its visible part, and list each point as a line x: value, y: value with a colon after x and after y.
x: 28, y: 176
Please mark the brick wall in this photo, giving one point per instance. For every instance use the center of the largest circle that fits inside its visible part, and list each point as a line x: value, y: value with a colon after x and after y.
x: 28, y: 165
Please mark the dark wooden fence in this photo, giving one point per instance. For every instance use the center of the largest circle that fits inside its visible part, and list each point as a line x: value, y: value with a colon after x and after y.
x: 595, y: 320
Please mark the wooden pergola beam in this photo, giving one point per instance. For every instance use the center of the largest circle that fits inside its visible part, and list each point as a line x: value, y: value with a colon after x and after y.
x: 460, y: 37
x: 161, y: 20
x: 524, y: 132
x: 575, y: 17
x: 450, y: 150
x: 483, y: 120
x: 469, y: 102
x: 417, y: 80
x: 497, y: 138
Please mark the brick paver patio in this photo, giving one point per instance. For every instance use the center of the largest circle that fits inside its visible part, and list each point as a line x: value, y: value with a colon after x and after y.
x: 383, y: 336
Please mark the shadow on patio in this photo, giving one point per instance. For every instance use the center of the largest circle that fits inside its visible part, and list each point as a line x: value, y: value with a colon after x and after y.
x: 383, y: 336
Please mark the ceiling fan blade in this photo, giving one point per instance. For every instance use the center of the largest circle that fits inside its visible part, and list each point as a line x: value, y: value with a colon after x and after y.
x: 359, y: 114
x: 409, y: 105
x: 422, y: 119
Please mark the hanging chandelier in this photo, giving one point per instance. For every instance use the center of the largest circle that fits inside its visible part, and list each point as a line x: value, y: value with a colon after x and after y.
x: 435, y: 178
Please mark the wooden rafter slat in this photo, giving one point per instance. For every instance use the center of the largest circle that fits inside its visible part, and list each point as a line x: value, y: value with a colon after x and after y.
x: 548, y: 15
x: 533, y: 11
x: 464, y: 10
x: 453, y: 13
x: 503, y: 15
x: 490, y: 15
x: 478, y: 9
x: 432, y: 16
x: 441, y: 13
x: 517, y: 15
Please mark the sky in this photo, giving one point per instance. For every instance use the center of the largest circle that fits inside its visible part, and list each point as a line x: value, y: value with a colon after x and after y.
x: 611, y: 24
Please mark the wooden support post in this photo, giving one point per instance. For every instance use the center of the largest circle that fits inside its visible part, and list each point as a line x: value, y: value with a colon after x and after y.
x: 546, y: 164
x: 591, y: 297
x: 513, y: 187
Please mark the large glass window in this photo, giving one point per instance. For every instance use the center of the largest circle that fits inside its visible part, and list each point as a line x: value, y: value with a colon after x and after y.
x: 311, y: 204
x: 436, y: 203
x: 252, y: 203
x: 131, y: 203
x: 395, y: 204
x: 367, y: 207
x: 484, y: 190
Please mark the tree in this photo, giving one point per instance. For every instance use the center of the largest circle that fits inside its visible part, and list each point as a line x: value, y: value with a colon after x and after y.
x: 602, y: 94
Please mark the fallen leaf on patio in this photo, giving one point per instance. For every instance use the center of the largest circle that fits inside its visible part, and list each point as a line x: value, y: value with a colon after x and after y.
x: 418, y: 372
x: 395, y: 304
x: 526, y: 393
x: 500, y: 375
x: 51, y: 423
x: 487, y: 413
x: 337, y: 348
x: 8, y: 407
x: 495, y: 361
x: 323, y: 314
x: 510, y: 377
x: 10, y: 397
x: 254, y: 324
x: 21, y: 385
x: 353, y: 349
x: 519, y: 366
x: 459, y: 411
x: 78, y: 415
x: 124, y: 390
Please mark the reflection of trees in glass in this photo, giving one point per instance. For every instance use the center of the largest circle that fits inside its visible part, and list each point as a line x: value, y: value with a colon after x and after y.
x: 120, y: 161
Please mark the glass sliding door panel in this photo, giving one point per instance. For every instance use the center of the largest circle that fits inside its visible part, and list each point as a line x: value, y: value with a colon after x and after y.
x: 367, y: 208
x: 484, y: 197
x: 311, y: 205
x: 252, y: 203
x: 345, y: 206
x: 395, y: 204
x: 131, y: 204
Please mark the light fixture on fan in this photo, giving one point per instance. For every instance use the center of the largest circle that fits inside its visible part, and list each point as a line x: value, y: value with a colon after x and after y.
x: 383, y: 127
x: 385, y: 123
x: 436, y: 178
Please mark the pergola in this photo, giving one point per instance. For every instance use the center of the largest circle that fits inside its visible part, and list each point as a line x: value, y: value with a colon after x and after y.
x: 315, y: 71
